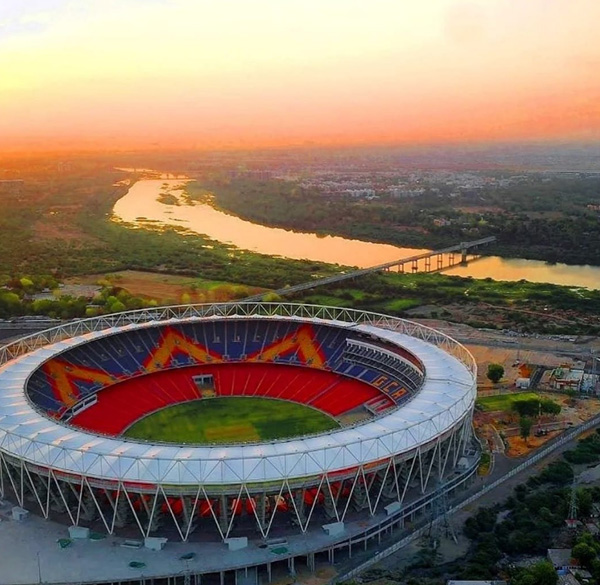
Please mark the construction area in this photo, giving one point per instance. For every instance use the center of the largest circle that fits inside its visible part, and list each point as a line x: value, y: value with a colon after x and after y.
x: 555, y: 368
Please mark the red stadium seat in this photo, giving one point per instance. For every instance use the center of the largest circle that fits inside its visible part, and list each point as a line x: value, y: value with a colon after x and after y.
x: 122, y: 404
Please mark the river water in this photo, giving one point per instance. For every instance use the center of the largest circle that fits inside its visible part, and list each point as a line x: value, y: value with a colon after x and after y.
x: 141, y: 207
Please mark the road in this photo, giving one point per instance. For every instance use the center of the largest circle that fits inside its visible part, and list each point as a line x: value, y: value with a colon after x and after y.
x: 470, y: 336
x: 482, y: 493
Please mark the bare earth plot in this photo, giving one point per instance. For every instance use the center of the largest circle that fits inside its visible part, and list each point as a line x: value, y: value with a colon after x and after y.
x: 169, y: 287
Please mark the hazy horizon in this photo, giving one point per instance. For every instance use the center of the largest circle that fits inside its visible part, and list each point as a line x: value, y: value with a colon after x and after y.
x: 196, y: 74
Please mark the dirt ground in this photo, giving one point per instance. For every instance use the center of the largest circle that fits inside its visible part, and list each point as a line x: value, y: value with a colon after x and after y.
x: 517, y: 447
x: 512, y: 359
x: 471, y: 336
x: 501, y: 316
x: 168, y: 287
x: 490, y: 425
x: 322, y: 575
x: 57, y: 223
x: 497, y: 429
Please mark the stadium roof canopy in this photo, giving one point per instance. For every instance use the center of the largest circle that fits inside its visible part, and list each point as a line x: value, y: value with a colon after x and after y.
x: 445, y: 399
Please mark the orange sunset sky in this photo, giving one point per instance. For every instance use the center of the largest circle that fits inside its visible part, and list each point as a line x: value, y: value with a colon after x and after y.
x: 210, y: 73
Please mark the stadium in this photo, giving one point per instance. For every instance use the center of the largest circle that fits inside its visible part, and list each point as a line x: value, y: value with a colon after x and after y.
x: 214, y: 439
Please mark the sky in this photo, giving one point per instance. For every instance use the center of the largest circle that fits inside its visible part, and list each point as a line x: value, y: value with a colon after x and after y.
x: 243, y: 73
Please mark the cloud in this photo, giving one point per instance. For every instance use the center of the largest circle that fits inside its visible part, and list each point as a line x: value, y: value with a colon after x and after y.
x: 17, y: 16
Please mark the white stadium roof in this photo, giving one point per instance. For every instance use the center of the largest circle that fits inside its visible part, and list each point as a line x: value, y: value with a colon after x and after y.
x: 445, y: 399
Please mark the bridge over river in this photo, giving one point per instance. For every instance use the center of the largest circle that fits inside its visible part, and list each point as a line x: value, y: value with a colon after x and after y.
x: 430, y: 261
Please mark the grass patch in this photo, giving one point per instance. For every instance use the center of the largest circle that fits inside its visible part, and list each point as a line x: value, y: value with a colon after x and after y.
x: 484, y: 464
x: 230, y: 420
x: 330, y: 300
x: 399, y: 305
x: 504, y: 401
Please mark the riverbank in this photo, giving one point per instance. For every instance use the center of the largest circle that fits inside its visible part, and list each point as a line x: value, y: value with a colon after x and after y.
x: 542, y: 218
x: 153, y: 203
x: 60, y: 227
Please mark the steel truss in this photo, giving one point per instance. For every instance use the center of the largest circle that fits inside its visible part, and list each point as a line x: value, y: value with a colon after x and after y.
x: 244, y: 509
x: 87, y: 489
x: 201, y: 311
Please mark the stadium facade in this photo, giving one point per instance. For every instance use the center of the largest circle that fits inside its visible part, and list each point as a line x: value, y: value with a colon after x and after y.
x: 402, y: 393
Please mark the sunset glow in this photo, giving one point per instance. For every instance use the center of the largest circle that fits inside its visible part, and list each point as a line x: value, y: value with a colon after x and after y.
x: 236, y: 73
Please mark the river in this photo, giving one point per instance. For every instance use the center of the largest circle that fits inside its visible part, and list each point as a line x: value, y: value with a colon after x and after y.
x: 141, y: 207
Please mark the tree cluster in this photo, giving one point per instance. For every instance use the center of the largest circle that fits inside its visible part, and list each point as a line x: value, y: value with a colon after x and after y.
x: 542, y: 218
x: 536, y: 406
x: 586, y: 451
x: 530, y: 518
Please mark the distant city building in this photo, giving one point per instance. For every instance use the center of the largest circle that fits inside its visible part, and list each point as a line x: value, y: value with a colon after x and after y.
x: 260, y: 175
x: 361, y: 193
x: 397, y: 191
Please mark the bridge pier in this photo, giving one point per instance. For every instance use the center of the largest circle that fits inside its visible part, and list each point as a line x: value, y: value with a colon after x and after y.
x: 402, y: 265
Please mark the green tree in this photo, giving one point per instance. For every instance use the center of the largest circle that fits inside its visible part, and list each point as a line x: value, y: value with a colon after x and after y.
x: 117, y: 307
x: 544, y: 573
x: 550, y: 407
x: 557, y: 472
x: 10, y: 304
x: 495, y: 373
x: 527, y: 407
x: 26, y: 283
x: 525, y: 424
x: 584, y: 553
x: 111, y: 300
x: 271, y: 297
x: 584, y: 502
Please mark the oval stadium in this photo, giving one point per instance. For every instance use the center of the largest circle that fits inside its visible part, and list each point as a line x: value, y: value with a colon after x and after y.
x: 224, y: 440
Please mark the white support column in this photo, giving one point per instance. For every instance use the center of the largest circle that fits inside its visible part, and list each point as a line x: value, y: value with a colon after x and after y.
x: 133, y: 511
x: 11, y: 480
x: 408, y: 478
x: 35, y: 492
x: 98, y: 507
x: 62, y: 497
x: 1, y: 476
x: 152, y: 511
